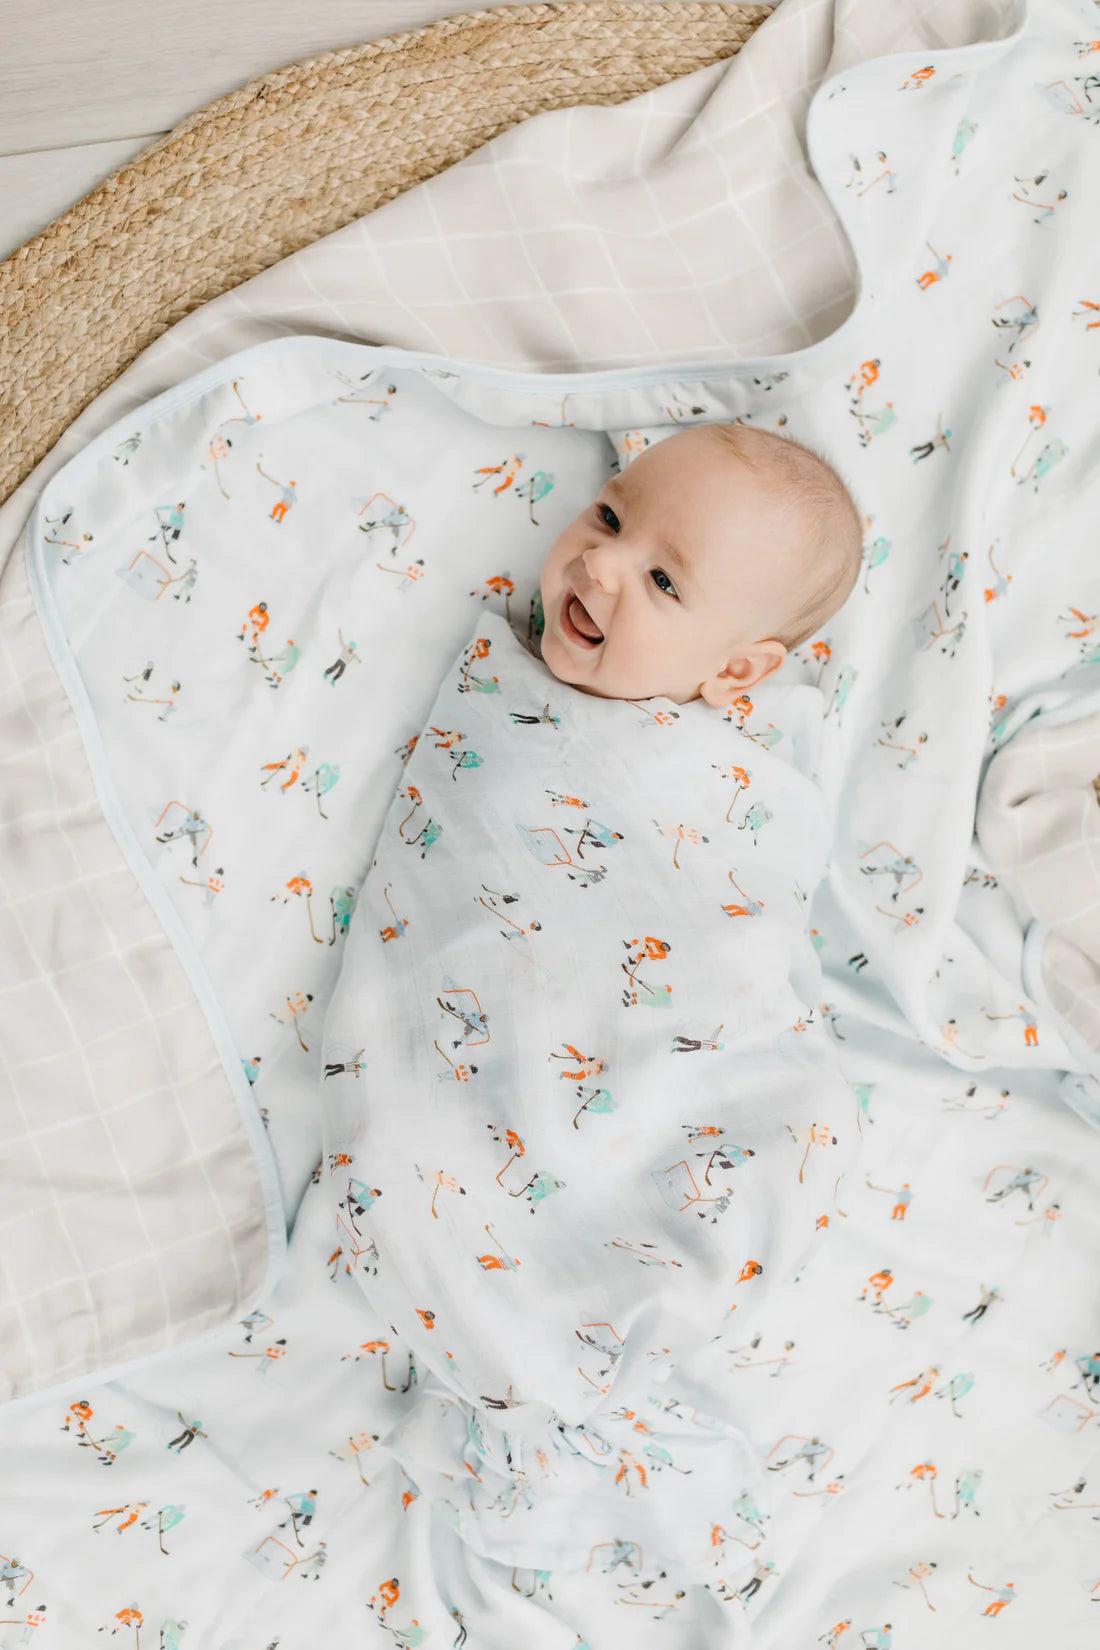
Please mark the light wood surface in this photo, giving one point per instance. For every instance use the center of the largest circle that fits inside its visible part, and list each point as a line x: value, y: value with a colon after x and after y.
x: 87, y: 84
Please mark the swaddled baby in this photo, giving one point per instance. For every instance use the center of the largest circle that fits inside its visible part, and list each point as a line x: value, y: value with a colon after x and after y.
x: 699, y: 568
x: 578, y: 1109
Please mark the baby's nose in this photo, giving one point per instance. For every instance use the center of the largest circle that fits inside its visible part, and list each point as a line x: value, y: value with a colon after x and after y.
x: 598, y: 564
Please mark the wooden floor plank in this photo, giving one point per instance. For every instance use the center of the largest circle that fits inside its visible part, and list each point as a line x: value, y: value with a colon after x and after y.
x: 87, y: 84
x: 91, y: 71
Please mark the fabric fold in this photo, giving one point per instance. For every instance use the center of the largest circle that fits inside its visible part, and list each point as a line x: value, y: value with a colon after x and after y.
x: 652, y: 1471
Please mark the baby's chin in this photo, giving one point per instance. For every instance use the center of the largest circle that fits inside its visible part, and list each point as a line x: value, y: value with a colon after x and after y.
x: 633, y: 694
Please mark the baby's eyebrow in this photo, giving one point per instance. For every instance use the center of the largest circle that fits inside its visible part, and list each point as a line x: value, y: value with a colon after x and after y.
x: 675, y: 556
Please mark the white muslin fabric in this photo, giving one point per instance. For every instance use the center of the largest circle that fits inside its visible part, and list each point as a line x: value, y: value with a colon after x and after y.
x: 578, y: 1100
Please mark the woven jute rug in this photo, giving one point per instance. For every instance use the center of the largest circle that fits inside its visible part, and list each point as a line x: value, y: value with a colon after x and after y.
x: 294, y: 155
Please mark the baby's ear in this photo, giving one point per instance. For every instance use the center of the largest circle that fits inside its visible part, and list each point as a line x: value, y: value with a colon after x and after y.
x: 743, y: 673
x: 775, y: 657
x: 723, y: 689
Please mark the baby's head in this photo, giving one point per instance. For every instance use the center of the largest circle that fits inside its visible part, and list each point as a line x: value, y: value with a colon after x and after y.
x: 711, y: 556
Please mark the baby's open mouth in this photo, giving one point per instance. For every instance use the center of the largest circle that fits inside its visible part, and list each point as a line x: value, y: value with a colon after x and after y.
x: 578, y: 624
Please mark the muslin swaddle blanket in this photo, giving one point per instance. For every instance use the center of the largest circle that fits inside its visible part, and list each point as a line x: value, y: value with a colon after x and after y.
x: 576, y: 1100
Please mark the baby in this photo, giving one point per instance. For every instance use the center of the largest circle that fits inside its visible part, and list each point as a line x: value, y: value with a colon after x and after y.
x: 540, y: 1301
x: 699, y: 567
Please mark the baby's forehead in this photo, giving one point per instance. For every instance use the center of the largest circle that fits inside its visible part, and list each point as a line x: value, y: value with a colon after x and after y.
x: 752, y: 482
x: 760, y: 487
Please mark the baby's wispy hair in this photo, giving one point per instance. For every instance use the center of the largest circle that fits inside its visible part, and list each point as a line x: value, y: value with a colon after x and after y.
x: 818, y: 504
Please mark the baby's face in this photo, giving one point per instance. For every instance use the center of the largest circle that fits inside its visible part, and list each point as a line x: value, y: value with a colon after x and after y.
x: 679, y: 564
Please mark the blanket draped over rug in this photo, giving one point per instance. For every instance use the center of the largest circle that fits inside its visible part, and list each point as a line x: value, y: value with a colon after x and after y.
x: 236, y: 600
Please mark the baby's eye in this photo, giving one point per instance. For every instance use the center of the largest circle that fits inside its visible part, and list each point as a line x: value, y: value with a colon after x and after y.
x: 659, y: 573
x: 610, y: 512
